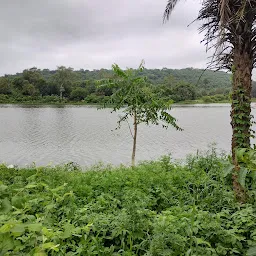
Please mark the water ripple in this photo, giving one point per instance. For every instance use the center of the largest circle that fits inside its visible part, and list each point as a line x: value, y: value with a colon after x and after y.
x: 86, y: 135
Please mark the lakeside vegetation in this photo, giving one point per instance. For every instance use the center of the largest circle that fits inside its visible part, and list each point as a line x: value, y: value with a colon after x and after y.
x: 35, y: 86
x: 156, y: 208
x: 204, y: 207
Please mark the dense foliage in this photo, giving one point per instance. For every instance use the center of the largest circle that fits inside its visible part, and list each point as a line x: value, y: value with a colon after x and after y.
x: 43, y: 86
x: 156, y: 208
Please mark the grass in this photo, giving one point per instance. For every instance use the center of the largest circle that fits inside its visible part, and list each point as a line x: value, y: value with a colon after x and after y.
x: 156, y: 208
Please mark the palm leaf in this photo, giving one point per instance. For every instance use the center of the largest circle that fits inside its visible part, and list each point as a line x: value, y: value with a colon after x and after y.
x: 169, y: 8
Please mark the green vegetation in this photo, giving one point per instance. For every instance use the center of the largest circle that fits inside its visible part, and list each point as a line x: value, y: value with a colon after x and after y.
x: 134, y: 94
x: 156, y: 208
x: 229, y: 28
x: 65, y: 85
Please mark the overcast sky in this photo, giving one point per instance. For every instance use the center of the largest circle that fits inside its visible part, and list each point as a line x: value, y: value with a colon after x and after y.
x: 93, y: 34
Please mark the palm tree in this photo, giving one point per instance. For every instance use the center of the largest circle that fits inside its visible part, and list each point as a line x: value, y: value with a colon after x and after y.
x: 230, y: 28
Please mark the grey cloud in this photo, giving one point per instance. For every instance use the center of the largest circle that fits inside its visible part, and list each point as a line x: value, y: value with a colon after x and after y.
x: 95, y: 33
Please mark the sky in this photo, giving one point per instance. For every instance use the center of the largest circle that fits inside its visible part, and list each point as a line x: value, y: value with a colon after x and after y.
x: 94, y: 34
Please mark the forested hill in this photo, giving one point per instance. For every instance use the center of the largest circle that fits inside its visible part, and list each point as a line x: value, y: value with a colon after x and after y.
x: 196, y: 77
x: 80, y: 85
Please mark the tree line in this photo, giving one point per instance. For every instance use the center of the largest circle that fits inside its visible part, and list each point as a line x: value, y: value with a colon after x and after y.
x: 66, y: 84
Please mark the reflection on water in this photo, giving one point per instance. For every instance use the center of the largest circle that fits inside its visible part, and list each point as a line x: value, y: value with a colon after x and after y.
x: 86, y: 135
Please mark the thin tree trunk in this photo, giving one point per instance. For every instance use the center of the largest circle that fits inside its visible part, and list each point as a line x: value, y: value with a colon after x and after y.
x: 241, y: 101
x: 135, y: 126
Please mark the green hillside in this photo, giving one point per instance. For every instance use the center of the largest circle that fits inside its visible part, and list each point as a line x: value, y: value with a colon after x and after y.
x: 197, y: 77
x: 80, y: 85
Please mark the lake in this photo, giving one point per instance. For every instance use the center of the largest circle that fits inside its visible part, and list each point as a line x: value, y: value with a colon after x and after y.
x: 85, y: 135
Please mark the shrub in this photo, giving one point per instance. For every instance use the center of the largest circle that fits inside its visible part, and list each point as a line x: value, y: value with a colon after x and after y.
x: 156, y: 208
x: 50, y: 99
x: 78, y: 93
x: 207, y: 99
x: 3, y: 98
x: 93, y: 98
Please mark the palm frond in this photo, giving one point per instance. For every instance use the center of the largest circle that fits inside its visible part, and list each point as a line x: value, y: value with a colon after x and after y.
x: 225, y: 24
x: 168, y: 9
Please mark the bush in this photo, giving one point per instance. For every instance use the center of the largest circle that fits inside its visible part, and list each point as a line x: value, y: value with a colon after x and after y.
x: 156, y: 208
x: 207, y: 99
x: 4, y: 98
x: 93, y: 98
x: 78, y: 93
x: 50, y: 99
x: 214, y: 98
x: 219, y: 97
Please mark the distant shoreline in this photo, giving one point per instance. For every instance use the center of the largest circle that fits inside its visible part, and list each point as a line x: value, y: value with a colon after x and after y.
x: 189, y: 102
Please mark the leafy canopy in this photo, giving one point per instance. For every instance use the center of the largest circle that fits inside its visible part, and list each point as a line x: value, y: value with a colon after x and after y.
x: 133, y: 94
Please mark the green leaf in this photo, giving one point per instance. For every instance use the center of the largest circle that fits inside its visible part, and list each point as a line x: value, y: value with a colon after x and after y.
x: 35, y: 227
x: 40, y: 252
x: 18, y: 201
x: 240, y: 153
x: 3, y: 188
x: 242, y: 176
x: 51, y: 246
x: 31, y: 186
x: 88, y: 227
x: 67, y: 233
x: 5, y: 228
x: 7, y: 243
x: 18, y: 229
x: 201, y: 241
x: 228, y: 170
x: 251, y: 251
x: 188, y: 253
x: 5, y: 206
x: 69, y: 229
x: 253, y: 175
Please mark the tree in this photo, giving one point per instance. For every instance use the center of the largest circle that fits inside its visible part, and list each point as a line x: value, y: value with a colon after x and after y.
x: 5, y: 87
x: 42, y: 86
x: 18, y: 83
x: 78, y: 93
x: 29, y: 89
x: 32, y: 75
x: 90, y: 87
x: 206, y: 83
x: 53, y: 89
x: 64, y: 79
x: 105, y: 91
x: 135, y: 96
x: 230, y: 28
x: 176, y: 90
x: 183, y: 91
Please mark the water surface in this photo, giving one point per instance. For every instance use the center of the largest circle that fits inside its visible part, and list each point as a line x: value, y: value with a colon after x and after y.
x: 86, y: 135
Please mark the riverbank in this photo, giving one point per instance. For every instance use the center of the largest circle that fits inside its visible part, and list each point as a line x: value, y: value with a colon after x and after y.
x: 157, y: 208
x: 82, y: 103
x: 99, y: 105
x: 200, y: 101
